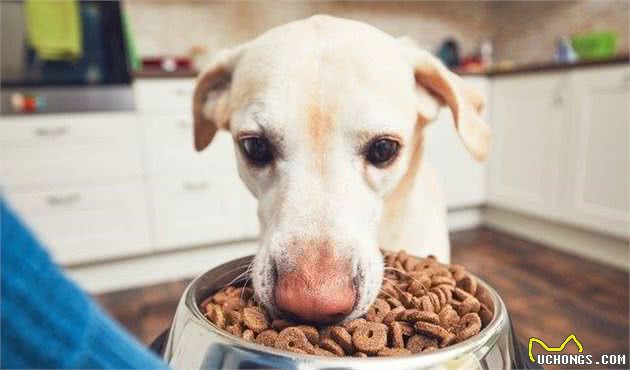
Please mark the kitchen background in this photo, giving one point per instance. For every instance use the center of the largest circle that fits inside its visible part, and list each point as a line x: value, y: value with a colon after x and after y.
x: 133, y: 213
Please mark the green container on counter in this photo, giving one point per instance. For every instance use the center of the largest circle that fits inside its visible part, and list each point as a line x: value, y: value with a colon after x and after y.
x: 595, y: 45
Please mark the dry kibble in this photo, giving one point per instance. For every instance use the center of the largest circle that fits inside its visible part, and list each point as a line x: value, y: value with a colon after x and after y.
x: 377, y: 311
x: 330, y: 345
x: 394, y: 315
x: 419, y: 343
x: 469, y: 325
x: 311, y: 333
x: 351, y: 325
x: 423, y: 305
x: 293, y: 339
x: 267, y: 338
x: 343, y: 338
x: 370, y: 337
x: 390, y: 352
x: 255, y: 319
x: 249, y: 335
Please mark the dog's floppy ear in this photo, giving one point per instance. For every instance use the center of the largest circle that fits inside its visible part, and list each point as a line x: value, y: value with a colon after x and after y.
x: 449, y: 89
x: 211, y: 96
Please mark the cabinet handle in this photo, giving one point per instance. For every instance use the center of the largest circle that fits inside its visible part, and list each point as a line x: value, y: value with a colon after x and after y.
x: 51, y: 131
x: 63, y: 200
x: 183, y: 124
x: 195, y: 186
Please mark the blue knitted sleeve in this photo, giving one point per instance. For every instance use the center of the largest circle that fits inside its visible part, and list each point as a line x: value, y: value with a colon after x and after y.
x: 49, y: 322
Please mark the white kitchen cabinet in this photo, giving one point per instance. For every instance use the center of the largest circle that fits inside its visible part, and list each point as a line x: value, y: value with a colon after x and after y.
x: 87, y: 223
x: 157, y: 95
x: 597, y: 182
x: 462, y: 178
x: 201, y: 208
x: 65, y: 149
x: 528, y: 117
x: 169, y: 146
x: 560, y: 147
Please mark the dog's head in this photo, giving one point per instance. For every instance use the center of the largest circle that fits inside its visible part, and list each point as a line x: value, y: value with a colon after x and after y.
x: 324, y: 113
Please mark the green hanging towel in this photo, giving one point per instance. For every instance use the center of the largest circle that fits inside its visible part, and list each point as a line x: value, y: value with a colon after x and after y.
x: 53, y: 28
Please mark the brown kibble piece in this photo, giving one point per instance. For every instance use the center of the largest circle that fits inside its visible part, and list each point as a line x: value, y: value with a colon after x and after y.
x: 469, y: 325
x: 351, y: 325
x: 370, y: 337
x: 390, y: 352
x: 330, y: 345
x: 255, y: 319
x: 393, y: 315
x: 431, y: 330
x: 249, y: 335
x: 267, y: 338
x: 343, y: 338
x: 322, y: 352
x: 359, y: 354
x: 311, y: 333
x: 377, y: 311
x: 418, y: 343
x: 485, y: 314
x: 396, y: 338
x: 417, y: 315
x: 448, y: 317
x: 393, y: 302
x: 294, y: 340
x: 468, y: 284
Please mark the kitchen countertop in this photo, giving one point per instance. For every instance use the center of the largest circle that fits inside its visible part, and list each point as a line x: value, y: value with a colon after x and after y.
x: 492, y: 72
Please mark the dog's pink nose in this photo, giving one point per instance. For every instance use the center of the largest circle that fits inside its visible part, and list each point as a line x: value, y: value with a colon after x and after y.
x: 317, y: 290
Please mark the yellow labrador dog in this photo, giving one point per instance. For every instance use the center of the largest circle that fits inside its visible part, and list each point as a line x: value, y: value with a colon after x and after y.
x: 327, y: 115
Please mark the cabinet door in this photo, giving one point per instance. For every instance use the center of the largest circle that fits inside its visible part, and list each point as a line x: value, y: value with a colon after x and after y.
x: 528, y: 117
x: 66, y: 149
x: 462, y: 178
x: 197, y: 209
x: 87, y: 223
x: 598, y: 150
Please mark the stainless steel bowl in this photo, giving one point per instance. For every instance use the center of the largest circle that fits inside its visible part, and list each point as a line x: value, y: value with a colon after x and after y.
x: 194, y: 343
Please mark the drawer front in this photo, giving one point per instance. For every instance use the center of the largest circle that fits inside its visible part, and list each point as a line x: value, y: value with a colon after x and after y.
x: 169, y: 146
x: 194, y: 210
x: 66, y: 149
x: 87, y: 223
x: 162, y: 94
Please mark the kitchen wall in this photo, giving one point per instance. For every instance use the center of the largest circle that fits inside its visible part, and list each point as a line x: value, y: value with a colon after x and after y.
x: 526, y: 31
x: 522, y: 31
x: 173, y: 27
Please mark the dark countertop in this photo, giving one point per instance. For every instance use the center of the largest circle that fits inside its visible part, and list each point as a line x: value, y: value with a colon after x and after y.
x: 492, y: 72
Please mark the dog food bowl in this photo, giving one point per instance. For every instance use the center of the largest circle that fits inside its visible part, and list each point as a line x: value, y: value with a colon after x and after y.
x: 194, y: 343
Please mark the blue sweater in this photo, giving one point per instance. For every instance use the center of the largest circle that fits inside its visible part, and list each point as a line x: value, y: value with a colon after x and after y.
x: 47, y: 321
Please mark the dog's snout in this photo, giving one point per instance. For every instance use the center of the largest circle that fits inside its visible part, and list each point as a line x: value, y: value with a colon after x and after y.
x: 319, y: 289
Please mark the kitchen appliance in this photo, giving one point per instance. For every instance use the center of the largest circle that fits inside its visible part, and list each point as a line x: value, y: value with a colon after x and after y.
x: 63, y: 56
x: 194, y: 343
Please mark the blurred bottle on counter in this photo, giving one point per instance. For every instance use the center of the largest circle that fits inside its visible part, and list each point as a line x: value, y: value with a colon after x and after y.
x: 564, y: 52
x: 486, y: 51
x: 449, y: 53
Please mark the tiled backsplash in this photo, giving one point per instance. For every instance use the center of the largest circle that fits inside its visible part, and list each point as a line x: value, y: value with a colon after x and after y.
x: 522, y: 31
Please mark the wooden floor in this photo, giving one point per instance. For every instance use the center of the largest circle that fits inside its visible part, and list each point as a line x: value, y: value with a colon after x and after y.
x: 549, y: 294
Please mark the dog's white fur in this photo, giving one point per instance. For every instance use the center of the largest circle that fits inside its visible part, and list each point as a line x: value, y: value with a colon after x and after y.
x: 321, y: 88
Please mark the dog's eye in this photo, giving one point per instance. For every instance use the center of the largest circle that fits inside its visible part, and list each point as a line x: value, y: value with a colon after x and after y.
x: 382, y: 151
x: 257, y: 150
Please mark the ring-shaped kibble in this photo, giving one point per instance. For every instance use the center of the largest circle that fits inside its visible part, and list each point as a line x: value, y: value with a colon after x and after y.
x: 396, y: 338
x: 418, y: 315
x: 431, y: 330
x: 468, y: 326
x: 377, y: 310
x: 255, y: 319
x: 370, y: 337
x: 330, y: 345
x: 294, y: 340
x: 419, y: 343
x: 393, y: 352
x: 267, y: 338
x: 394, y: 315
x: 343, y: 338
